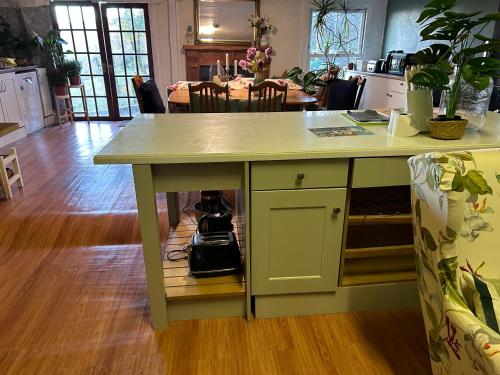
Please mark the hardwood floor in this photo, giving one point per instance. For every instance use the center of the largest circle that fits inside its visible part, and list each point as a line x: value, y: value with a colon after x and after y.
x: 73, y: 291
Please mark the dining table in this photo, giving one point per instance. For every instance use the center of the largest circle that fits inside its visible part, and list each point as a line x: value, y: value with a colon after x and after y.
x: 238, y: 92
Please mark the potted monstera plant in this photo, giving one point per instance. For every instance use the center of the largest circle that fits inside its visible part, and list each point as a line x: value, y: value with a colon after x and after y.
x: 458, y: 46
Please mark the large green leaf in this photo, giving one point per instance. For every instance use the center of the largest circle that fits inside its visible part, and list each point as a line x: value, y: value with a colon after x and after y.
x: 475, y: 183
x: 428, y: 239
x: 477, y: 80
x: 433, y: 53
x: 433, y: 8
x: 491, y: 17
x: 433, y: 78
x: 484, y: 64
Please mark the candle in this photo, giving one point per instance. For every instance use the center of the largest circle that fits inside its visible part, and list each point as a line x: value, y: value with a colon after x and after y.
x: 218, y: 67
x: 235, y: 68
x: 227, y: 62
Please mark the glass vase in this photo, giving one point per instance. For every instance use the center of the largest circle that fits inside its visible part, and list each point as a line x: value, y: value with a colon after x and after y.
x: 472, y: 104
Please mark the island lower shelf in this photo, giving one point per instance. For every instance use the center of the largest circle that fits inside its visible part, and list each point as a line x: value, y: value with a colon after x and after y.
x: 190, y: 297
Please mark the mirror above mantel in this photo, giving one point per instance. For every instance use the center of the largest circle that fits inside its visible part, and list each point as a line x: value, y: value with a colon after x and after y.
x: 224, y: 21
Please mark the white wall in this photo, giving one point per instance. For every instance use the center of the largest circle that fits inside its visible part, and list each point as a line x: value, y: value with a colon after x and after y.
x: 291, y: 19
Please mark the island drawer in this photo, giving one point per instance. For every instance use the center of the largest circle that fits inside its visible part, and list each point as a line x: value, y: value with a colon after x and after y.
x: 299, y: 174
x: 384, y: 171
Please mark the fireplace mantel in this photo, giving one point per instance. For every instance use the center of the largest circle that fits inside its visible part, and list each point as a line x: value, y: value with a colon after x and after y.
x: 207, y: 54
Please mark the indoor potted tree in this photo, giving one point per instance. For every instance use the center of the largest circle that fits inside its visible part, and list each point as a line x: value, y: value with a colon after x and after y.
x: 73, y: 70
x: 58, y: 80
x: 458, y: 47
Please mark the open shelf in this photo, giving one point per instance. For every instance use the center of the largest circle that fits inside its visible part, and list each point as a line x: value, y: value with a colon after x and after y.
x: 378, y: 240
x: 379, y: 219
x: 180, y: 284
x: 379, y: 251
x: 378, y: 278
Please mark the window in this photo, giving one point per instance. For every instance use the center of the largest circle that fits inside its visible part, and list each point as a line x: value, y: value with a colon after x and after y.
x: 342, y: 38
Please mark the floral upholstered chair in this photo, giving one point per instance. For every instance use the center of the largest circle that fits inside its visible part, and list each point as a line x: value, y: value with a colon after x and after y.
x: 456, y: 223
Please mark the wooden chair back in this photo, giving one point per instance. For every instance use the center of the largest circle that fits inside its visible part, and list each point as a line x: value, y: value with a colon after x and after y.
x: 361, y: 87
x: 268, y: 99
x: 209, y: 100
x: 136, y: 83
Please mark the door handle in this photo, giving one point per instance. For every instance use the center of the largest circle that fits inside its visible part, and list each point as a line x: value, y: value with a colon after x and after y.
x: 336, y: 210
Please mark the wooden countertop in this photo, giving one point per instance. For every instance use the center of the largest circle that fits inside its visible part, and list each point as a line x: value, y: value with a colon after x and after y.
x: 239, y: 137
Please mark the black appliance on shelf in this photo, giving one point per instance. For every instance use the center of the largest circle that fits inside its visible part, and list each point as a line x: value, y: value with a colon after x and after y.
x: 397, y: 61
x: 214, y: 254
x: 214, y: 247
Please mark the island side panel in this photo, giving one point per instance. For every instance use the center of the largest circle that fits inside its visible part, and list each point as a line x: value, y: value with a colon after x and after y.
x: 150, y: 233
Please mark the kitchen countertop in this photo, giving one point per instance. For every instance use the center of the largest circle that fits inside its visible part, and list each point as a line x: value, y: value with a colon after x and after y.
x: 18, y: 69
x: 381, y: 75
x: 240, y: 137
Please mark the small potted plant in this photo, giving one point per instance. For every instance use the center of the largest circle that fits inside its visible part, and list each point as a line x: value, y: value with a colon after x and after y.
x: 58, y: 80
x: 73, y: 70
x: 458, y: 46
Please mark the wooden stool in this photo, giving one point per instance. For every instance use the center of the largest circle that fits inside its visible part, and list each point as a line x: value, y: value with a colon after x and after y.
x: 8, y: 177
x: 68, y: 109
x: 85, y: 111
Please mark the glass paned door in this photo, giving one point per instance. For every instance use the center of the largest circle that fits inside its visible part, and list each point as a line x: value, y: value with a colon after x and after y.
x: 80, y: 27
x: 126, y: 30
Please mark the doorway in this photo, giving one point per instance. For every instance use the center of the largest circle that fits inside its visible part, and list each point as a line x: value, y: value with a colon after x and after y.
x: 112, y: 42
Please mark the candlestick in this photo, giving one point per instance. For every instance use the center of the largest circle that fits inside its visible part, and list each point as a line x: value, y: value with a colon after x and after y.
x: 235, y: 68
x: 218, y: 67
x: 227, y: 60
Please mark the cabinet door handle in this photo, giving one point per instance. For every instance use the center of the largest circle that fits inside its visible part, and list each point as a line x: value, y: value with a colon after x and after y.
x: 300, y: 176
x: 336, y: 210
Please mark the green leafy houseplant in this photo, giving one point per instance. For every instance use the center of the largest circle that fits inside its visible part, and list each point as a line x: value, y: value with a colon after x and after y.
x: 51, y: 46
x: 58, y: 79
x: 334, y: 38
x: 308, y: 81
x: 73, y: 70
x: 457, y: 40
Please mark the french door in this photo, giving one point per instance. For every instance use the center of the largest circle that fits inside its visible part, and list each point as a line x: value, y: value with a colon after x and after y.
x: 112, y: 42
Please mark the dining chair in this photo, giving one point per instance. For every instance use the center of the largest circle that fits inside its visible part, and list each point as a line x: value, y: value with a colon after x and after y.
x: 208, y: 97
x: 271, y: 97
x: 148, y: 96
x: 344, y: 94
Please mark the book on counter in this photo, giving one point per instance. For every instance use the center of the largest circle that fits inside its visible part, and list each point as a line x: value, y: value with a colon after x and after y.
x: 367, y: 117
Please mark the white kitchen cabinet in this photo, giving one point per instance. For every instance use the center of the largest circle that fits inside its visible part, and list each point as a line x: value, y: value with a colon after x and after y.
x: 28, y: 97
x: 381, y: 90
x: 8, y: 99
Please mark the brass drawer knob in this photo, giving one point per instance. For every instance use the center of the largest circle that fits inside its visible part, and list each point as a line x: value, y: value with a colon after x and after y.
x: 336, y: 210
x: 300, y: 176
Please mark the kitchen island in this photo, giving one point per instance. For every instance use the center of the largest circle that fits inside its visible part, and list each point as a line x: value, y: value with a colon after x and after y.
x: 296, y: 190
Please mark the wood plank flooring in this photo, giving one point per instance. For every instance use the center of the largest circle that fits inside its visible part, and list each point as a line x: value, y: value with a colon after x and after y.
x: 73, y: 291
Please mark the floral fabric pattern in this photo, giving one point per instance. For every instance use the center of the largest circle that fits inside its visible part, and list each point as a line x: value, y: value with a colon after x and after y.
x: 455, y: 197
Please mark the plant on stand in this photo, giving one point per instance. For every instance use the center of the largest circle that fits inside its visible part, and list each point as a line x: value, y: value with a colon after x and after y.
x: 459, y: 47
x: 334, y: 36
x: 58, y: 80
x: 257, y: 62
x: 73, y: 70
x: 51, y: 47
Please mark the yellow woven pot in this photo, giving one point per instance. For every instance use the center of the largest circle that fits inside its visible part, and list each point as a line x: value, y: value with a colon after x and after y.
x: 449, y: 129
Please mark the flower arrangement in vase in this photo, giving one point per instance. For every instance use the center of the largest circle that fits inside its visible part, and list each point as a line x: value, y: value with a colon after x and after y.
x: 257, y: 62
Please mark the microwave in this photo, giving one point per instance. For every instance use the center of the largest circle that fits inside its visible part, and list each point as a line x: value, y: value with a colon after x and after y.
x: 396, y: 62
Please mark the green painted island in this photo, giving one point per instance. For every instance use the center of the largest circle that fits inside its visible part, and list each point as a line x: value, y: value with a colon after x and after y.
x: 309, y: 245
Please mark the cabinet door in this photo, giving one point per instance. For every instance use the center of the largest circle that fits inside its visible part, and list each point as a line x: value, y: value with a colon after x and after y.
x: 9, y: 102
x: 296, y: 240
x: 396, y: 100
